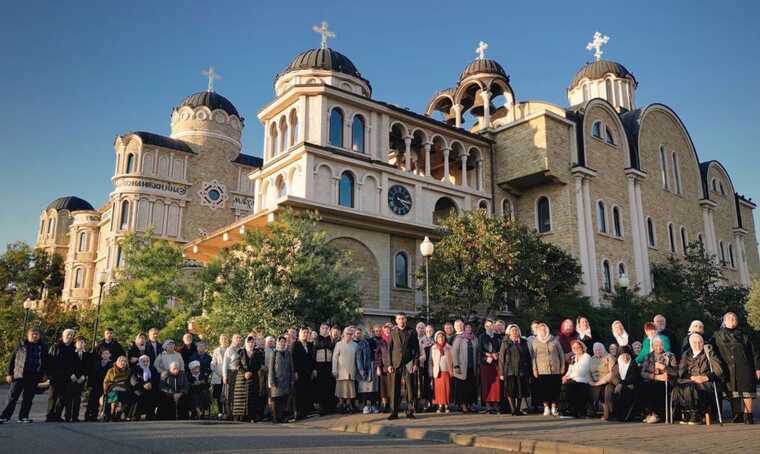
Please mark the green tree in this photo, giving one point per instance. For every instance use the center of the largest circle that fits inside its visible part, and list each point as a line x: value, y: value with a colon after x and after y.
x: 484, y: 264
x: 753, y: 305
x: 282, y: 276
x: 152, y: 288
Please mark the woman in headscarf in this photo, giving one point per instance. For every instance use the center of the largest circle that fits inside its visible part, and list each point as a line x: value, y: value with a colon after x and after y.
x: 247, y: 402
x: 175, y: 388
x: 116, y: 389
x: 490, y: 388
x: 650, y: 332
x: 548, y: 366
x: 601, y: 372
x: 217, y: 364
x: 441, y: 367
x: 466, y: 354
x: 166, y: 357
x: 514, y: 367
x: 694, y: 394
x: 620, y: 334
x: 280, y: 378
x: 344, y: 371
x: 424, y: 387
x: 742, y: 371
x: 199, y: 398
x: 230, y: 366
x: 145, y: 382
x: 383, y: 362
x: 567, y: 335
x: 620, y: 394
x: 659, y: 367
x: 583, y: 328
x: 696, y: 327
x: 576, y: 381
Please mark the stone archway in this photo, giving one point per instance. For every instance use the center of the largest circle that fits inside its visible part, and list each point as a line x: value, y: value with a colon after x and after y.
x: 369, y: 273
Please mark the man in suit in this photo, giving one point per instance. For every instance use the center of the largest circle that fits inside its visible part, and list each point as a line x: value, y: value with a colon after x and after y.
x: 81, y: 366
x: 59, y: 371
x: 404, y: 349
x: 303, y: 363
x: 153, y: 347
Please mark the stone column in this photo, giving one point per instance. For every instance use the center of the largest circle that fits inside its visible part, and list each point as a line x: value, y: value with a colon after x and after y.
x: 408, y: 154
x: 427, y: 158
x: 486, y: 95
x: 446, y: 152
x: 479, y: 172
x: 634, y: 216
x: 594, y: 280
x: 463, y: 158
x: 582, y: 239
x: 458, y: 115
x: 739, y: 259
x: 645, y: 279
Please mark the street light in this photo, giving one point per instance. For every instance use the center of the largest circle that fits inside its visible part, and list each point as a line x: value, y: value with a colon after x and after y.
x: 427, y: 248
x: 624, y: 283
x: 28, y: 305
x: 102, y: 277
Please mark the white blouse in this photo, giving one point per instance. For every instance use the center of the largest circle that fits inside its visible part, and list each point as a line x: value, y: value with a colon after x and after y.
x: 580, y: 370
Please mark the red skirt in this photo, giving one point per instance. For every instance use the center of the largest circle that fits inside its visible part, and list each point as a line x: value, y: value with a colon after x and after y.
x: 442, y: 389
x: 489, y: 383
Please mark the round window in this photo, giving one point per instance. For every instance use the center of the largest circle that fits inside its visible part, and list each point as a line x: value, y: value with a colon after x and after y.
x: 214, y: 195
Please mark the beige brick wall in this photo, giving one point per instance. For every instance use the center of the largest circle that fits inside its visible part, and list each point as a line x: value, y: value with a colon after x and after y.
x: 664, y: 206
x: 724, y: 215
x: 365, y: 263
x: 750, y: 241
x: 402, y: 299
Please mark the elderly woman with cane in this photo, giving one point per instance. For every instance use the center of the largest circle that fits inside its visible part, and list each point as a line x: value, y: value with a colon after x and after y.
x: 658, y: 370
x: 697, y: 374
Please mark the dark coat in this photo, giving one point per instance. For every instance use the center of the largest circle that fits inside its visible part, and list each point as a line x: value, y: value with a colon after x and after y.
x: 741, y: 360
x: 153, y: 352
x: 488, y: 344
x: 81, y: 366
x: 187, y: 351
x: 632, y: 378
x: 674, y: 347
x: 363, y: 359
x: 303, y: 360
x: 588, y: 341
x: 61, y: 362
x: 280, y: 370
x: 323, y: 349
x: 134, y: 352
x: 114, y: 346
x: 666, y: 358
x: 20, y: 362
x: 137, y: 382
x: 514, y: 359
x: 691, y: 366
x: 204, y: 359
x: 97, y: 374
x: 403, y: 346
x: 173, y: 384
x: 382, y: 355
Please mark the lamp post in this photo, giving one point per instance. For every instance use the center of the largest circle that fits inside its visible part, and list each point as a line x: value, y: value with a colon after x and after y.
x: 426, y: 248
x: 624, y: 283
x: 102, y: 283
x: 28, y: 305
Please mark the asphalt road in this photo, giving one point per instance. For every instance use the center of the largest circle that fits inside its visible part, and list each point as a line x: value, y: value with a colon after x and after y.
x: 201, y: 437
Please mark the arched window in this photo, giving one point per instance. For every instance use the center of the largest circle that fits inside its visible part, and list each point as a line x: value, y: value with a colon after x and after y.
x: 684, y: 240
x: 293, y: 127
x: 722, y: 191
x: 601, y: 217
x: 119, y: 257
x: 124, y: 219
x: 42, y: 227
x: 617, y: 223
x: 483, y: 205
x: 543, y: 215
x: 671, y: 239
x: 346, y: 190
x: 676, y: 174
x: 506, y: 209
x: 83, y: 243
x: 596, y: 129
x: 273, y: 141
x: 78, y: 278
x: 714, y: 185
x: 401, y: 267
x: 284, y: 135
x: 357, y: 134
x: 701, y: 242
x: 282, y: 188
x: 608, y: 137
x: 663, y: 168
x: 607, y: 276
x: 336, y: 127
x: 444, y: 208
x: 650, y: 233
x: 130, y: 163
x: 621, y: 269
x: 722, y: 253
x: 585, y: 93
x: 731, y: 255
x: 608, y: 89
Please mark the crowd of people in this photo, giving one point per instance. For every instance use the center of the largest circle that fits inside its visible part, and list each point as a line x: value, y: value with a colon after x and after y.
x: 392, y: 368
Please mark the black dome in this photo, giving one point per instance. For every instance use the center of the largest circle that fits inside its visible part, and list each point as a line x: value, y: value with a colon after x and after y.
x: 212, y: 100
x: 70, y: 203
x: 598, y: 69
x: 483, y: 66
x: 323, y: 59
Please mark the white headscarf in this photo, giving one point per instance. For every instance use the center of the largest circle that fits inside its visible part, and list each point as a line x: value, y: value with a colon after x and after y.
x: 623, y: 367
x: 622, y: 340
x: 145, y: 369
x: 543, y: 338
x: 695, y: 353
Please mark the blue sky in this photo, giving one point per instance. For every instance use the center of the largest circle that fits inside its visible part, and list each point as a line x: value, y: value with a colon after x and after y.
x: 76, y: 74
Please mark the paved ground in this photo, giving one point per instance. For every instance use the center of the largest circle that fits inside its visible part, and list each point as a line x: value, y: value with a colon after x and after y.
x: 312, y: 436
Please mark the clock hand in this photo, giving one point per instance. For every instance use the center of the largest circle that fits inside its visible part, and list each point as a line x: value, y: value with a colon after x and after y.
x: 404, y: 202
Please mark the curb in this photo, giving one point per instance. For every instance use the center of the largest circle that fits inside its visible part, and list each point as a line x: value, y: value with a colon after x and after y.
x: 507, y: 444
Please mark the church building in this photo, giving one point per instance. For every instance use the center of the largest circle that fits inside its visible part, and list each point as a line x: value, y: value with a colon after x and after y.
x: 617, y: 185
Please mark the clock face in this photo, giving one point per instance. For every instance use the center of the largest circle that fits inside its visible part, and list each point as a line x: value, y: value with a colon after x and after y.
x: 399, y: 199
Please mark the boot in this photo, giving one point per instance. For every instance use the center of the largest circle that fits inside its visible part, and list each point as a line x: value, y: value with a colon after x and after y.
x: 748, y: 419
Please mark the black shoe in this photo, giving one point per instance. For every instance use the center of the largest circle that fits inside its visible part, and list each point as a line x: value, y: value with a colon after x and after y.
x: 748, y: 418
x: 738, y: 418
x: 392, y: 417
x: 410, y: 416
